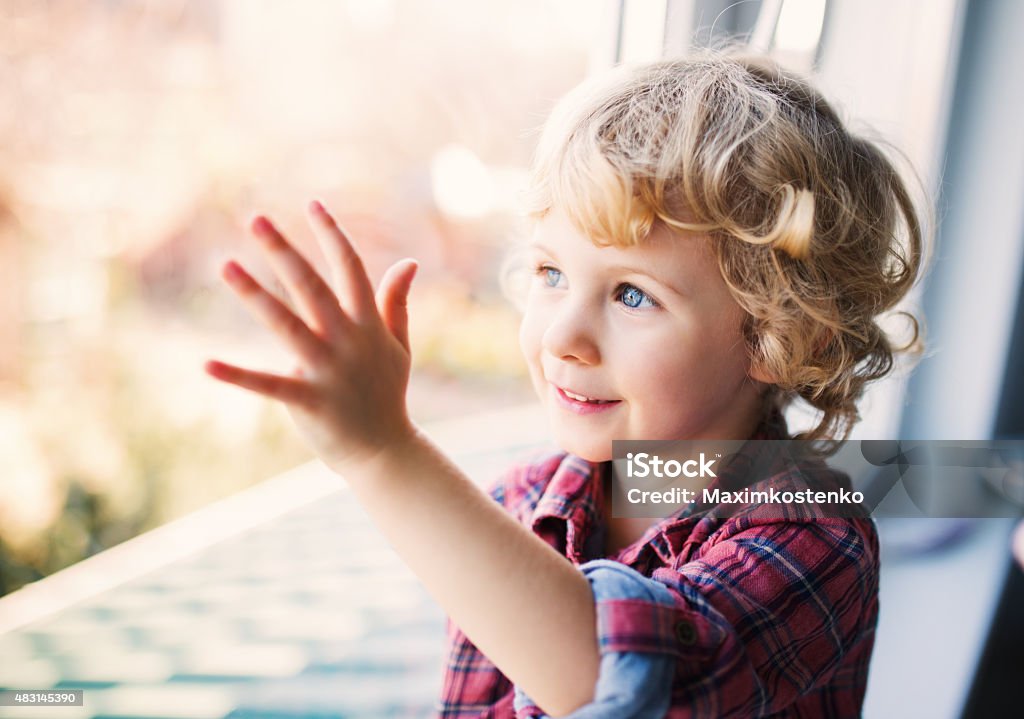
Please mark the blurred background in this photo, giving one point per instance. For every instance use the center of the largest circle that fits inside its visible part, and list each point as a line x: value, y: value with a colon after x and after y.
x: 137, y: 137
x: 136, y: 140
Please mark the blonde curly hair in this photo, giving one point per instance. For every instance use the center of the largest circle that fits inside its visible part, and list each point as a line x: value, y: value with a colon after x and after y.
x: 815, y: 232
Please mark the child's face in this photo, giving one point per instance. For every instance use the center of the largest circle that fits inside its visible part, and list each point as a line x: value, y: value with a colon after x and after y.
x: 650, y: 330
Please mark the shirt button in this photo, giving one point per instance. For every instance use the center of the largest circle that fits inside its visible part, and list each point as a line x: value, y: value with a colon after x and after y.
x: 686, y: 633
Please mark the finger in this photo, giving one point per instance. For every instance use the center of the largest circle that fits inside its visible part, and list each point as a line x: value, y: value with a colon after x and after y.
x: 346, y: 265
x: 313, y: 297
x: 288, y: 390
x: 275, y: 314
x: 393, y: 298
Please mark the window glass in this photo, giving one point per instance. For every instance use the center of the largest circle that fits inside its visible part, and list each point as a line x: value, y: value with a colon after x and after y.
x: 138, y: 138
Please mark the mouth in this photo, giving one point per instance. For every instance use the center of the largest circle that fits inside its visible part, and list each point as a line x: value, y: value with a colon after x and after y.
x: 581, y: 404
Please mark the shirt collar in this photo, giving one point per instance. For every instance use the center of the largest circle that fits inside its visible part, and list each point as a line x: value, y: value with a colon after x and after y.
x: 568, y: 512
x: 666, y: 538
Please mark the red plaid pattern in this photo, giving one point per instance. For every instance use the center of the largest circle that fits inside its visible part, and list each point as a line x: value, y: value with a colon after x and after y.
x: 774, y: 615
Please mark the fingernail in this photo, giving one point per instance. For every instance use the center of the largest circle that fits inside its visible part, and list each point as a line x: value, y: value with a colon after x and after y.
x: 315, y: 206
x: 261, y: 224
x: 233, y: 271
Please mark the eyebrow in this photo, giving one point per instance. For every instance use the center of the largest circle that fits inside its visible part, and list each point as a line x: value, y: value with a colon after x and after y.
x: 618, y: 268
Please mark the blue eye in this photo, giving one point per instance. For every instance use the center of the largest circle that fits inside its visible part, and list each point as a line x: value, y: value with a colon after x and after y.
x: 550, y: 275
x: 634, y: 297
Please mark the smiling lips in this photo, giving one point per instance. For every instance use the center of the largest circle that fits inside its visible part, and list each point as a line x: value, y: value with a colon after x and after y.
x: 581, y: 404
x: 581, y: 398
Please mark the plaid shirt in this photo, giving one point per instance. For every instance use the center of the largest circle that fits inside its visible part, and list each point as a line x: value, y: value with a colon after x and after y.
x: 746, y: 615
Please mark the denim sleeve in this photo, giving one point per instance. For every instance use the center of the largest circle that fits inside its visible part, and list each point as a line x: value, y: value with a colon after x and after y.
x: 634, y: 684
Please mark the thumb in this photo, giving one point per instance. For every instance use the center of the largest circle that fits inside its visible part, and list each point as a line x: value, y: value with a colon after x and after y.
x: 393, y: 296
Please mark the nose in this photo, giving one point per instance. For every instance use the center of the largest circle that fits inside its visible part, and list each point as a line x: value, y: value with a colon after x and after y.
x: 572, y: 334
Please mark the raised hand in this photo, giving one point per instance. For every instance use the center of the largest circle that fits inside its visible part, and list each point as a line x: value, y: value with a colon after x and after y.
x: 347, y: 393
x: 347, y: 397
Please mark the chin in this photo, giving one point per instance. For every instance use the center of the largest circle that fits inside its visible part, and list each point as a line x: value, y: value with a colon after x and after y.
x: 590, y: 451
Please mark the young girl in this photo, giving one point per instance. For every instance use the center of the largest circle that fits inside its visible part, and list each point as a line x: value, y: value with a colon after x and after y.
x: 709, y: 243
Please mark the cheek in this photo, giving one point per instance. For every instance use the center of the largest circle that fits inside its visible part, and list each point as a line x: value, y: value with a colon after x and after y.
x: 526, y: 341
x: 666, y: 374
x: 684, y: 368
x: 530, y: 332
x: 659, y: 349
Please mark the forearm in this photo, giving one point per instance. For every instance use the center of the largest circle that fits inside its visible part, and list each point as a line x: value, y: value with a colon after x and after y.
x: 521, y: 603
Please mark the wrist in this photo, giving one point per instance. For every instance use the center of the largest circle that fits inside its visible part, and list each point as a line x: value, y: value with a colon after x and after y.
x: 397, y: 445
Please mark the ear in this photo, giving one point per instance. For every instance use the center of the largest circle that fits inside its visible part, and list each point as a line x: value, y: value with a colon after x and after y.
x: 760, y: 374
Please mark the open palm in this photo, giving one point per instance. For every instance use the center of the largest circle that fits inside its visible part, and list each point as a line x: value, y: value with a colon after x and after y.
x: 347, y: 393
